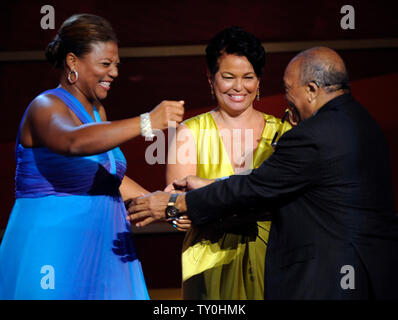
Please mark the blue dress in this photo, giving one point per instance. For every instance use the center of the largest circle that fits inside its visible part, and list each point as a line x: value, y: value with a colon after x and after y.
x: 67, y: 236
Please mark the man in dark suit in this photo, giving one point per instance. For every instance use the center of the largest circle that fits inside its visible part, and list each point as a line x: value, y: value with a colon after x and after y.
x: 334, y: 232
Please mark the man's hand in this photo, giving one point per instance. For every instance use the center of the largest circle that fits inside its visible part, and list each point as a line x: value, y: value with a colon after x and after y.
x: 188, y: 183
x: 147, y: 209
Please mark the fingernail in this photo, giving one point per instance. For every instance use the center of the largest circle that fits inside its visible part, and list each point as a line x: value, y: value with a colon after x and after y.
x: 174, y: 221
x: 174, y: 226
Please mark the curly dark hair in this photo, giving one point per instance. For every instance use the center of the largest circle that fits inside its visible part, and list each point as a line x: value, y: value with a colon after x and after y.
x: 235, y: 40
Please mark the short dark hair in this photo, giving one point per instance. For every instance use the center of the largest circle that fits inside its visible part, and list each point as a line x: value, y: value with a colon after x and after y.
x: 324, y: 73
x: 76, y: 35
x: 235, y: 40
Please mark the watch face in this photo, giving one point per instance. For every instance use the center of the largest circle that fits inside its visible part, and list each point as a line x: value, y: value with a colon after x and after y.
x: 171, y: 212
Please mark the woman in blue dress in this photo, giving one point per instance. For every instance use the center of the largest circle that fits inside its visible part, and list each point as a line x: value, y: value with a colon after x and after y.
x: 67, y: 236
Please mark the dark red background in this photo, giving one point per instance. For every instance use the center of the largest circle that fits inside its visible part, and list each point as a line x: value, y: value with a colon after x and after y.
x: 144, y: 82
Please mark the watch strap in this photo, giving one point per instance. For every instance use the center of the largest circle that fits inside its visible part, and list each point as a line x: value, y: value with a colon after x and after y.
x: 172, y: 199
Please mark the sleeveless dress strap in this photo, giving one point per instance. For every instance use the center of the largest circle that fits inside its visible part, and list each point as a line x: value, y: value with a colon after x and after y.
x: 69, y: 100
x: 78, y: 109
x: 73, y: 103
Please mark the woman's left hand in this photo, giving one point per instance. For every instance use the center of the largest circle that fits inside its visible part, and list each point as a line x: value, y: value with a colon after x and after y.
x: 181, y: 224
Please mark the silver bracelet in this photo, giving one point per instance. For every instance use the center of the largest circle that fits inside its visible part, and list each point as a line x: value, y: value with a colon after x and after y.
x: 146, y: 128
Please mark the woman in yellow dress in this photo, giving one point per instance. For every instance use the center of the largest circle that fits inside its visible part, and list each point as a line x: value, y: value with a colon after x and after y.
x: 225, y: 260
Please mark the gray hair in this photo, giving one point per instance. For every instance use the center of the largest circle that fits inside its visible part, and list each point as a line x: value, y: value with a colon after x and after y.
x: 325, y: 73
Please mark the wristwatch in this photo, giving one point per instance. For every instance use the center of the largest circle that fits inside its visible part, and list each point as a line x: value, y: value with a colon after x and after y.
x: 171, y: 210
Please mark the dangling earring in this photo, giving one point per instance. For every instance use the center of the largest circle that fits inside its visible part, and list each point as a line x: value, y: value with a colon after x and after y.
x: 76, y: 76
x: 212, y: 93
x: 258, y: 93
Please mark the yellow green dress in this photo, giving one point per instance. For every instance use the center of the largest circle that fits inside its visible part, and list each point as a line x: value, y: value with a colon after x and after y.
x: 224, y: 260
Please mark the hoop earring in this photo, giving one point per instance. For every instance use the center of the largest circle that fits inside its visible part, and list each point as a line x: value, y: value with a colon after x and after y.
x: 258, y: 93
x: 76, y: 76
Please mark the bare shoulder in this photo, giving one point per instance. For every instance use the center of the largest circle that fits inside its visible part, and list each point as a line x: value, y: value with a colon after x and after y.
x: 46, y: 104
x: 184, y: 134
x: 40, y: 113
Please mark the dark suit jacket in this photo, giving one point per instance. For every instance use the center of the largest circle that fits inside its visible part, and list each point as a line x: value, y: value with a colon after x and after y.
x: 329, y: 182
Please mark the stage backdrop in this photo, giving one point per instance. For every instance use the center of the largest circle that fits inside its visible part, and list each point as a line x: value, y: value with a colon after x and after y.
x: 162, y: 53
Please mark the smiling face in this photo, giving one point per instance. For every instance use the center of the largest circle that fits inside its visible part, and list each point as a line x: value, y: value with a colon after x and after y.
x: 296, y: 93
x: 235, y: 83
x: 97, y: 70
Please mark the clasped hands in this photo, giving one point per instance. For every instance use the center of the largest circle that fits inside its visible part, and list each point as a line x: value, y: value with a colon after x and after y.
x: 152, y: 207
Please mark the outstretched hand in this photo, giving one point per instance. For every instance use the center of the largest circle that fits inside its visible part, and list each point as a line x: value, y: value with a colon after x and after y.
x: 149, y: 208
x: 188, y: 183
x: 152, y: 207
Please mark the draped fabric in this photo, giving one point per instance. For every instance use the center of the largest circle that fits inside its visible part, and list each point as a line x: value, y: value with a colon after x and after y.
x: 225, y: 259
x: 67, y: 236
